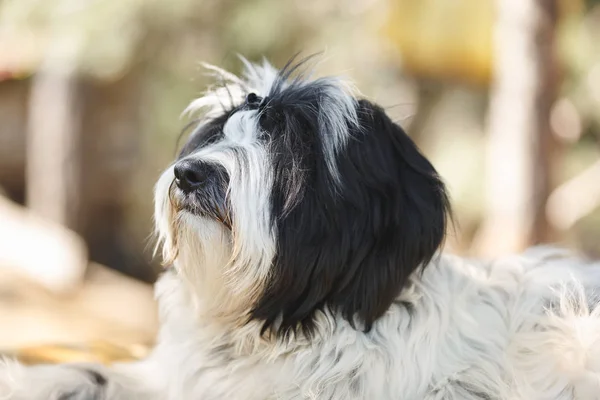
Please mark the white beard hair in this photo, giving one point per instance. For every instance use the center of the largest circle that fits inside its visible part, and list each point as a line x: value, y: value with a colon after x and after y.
x: 208, y: 255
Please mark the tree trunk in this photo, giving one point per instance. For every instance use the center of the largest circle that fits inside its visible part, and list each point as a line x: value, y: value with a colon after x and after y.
x: 520, y: 145
x: 53, y: 154
x: 53, y: 145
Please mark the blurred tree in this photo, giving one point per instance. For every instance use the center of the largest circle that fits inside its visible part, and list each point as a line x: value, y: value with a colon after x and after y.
x: 520, y: 147
x: 54, y: 129
x: 54, y: 145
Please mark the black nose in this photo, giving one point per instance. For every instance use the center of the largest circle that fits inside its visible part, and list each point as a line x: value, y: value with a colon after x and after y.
x: 189, y: 175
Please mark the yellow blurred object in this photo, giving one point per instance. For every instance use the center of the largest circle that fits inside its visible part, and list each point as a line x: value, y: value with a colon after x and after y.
x: 99, y: 351
x: 443, y: 39
x: 449, y: 40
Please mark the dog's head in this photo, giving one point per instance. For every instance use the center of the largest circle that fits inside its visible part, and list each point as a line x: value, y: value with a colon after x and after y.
x: 292, y: 196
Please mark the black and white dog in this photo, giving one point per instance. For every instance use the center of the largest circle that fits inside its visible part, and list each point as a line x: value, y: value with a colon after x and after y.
x: 303, y: 229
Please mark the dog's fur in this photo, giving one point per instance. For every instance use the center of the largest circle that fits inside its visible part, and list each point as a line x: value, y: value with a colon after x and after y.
x: 303, y: 229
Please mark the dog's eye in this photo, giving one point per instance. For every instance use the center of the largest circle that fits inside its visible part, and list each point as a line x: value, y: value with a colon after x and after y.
x: 253, y: 101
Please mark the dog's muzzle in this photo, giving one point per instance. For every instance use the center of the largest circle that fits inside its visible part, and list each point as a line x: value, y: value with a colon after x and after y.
x: 191, y: 175
x: 202, y: 188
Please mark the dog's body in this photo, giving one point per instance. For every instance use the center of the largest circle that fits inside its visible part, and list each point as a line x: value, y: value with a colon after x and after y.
x: 303, y: 227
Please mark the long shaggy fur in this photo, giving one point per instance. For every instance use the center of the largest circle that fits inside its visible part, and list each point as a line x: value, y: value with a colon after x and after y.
x: 302, y: 227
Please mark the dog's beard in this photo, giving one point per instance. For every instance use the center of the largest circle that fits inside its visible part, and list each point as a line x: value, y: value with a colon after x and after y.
x: 203, y: 252
x: 196, y: 246
x: 222, y: 266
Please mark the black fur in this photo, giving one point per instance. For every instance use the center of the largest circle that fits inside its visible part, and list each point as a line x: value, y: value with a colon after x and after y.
x: 350, y: 249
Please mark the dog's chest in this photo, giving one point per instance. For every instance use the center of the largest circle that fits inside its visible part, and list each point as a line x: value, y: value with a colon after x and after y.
x: 309, y: 375
x: 468, y: 334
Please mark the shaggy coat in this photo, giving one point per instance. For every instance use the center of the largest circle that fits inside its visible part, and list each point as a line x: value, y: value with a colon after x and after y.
x: 302, y: 229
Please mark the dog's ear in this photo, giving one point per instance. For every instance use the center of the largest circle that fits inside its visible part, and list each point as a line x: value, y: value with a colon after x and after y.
x: 351, y: 246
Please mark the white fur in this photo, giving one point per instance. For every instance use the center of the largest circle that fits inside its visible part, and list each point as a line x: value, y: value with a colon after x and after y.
x: 525, y: 327
x: 474, y: 328
x: 246, y: 163
x: 338, y: 108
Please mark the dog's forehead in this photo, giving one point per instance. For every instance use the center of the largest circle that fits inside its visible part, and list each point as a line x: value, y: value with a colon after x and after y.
x: 327, y: 104
x: 238, y: 124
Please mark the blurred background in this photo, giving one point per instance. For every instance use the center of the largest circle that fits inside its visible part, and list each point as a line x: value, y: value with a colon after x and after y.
x: 502, y: 95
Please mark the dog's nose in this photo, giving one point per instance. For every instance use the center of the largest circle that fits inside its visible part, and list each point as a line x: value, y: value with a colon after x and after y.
x: 189, y: 175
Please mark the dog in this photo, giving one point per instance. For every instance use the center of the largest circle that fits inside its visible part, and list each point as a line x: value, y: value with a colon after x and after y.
x: 302, y: 229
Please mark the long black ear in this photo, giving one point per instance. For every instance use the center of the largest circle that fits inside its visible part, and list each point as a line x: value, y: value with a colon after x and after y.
x: 352, y: 247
